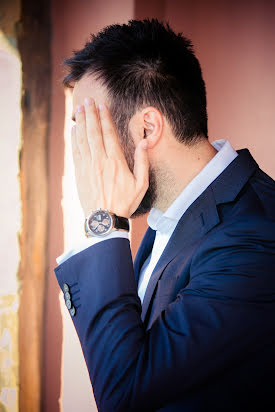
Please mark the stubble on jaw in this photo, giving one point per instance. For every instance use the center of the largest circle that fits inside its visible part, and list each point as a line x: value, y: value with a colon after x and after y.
x: 150, y: 196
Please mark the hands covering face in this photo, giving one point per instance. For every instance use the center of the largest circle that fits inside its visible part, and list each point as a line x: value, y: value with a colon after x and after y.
x: 103, y: 177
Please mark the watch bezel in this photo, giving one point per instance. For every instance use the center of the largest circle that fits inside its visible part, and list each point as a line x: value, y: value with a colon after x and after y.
x: 89, y: 232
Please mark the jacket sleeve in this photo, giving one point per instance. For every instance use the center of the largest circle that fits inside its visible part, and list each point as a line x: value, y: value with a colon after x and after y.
x: 213, y: 321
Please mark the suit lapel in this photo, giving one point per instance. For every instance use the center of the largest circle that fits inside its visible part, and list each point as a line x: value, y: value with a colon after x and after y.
x: 195, y: 222
x: 200, y: 218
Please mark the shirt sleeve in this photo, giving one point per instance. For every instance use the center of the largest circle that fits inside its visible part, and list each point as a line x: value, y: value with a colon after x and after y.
x: 87, y: 242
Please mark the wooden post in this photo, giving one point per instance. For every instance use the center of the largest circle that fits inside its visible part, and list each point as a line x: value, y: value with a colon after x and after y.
x: 33, y: 34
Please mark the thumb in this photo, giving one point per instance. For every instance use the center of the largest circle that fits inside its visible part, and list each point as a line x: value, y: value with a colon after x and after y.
x: 141, y: 166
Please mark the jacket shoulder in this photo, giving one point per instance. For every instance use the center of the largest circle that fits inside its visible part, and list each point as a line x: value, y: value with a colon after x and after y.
x: 264, y: 188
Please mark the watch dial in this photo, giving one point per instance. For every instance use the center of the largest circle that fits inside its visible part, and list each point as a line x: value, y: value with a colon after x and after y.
x: 100, y: 222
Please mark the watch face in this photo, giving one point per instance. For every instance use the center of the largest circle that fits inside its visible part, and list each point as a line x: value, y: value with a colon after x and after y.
x: 100, y: 223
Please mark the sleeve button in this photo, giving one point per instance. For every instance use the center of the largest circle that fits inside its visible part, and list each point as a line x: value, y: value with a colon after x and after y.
x: 66, y: 287
x: 67, y: 295
x: 72, y: 311
x: 68, y: 303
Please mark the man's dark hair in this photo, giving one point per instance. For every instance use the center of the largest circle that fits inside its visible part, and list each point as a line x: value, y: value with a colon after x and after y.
x: 144, y: 63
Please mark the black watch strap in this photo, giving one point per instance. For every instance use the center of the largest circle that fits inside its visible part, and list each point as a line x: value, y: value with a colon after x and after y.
x: 121, y: 223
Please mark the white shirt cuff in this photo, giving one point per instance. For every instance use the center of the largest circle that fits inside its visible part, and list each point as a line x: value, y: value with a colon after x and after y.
x: 87, y: 242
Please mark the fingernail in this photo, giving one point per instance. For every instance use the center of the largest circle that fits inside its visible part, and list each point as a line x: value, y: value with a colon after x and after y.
x: 88, y: 101
x: 101, y: 106
x: 80, y: 109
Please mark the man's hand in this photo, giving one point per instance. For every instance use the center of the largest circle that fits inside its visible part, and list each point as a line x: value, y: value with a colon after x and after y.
x: 103, y: 177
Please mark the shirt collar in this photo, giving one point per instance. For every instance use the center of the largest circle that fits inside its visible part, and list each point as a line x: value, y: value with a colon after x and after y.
x: 164, y: 222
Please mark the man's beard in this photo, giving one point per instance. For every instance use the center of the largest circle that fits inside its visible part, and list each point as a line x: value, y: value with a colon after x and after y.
x: 150, y: 196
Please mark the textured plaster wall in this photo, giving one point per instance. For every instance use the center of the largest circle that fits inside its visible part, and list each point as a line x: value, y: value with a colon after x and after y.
x: 25, y: 31
x: 10, y: 219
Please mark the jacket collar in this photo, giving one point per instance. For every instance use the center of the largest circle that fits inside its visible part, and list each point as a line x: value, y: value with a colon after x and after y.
x: 199, y: 218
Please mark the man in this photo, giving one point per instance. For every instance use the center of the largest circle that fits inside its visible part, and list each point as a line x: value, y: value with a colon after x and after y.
x: 189, y: 326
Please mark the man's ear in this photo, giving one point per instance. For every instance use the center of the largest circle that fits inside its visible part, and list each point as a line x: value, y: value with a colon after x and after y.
x: 152, y: 121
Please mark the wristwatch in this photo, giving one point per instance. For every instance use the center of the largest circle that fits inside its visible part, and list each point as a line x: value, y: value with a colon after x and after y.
x: 101, y: 222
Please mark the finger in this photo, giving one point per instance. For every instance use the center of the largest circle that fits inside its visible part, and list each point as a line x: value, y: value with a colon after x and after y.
x: 75, y: 150
x: 81, y: 136
x: 141, y: 167
x: 111, y: 141
x: 93, y: 128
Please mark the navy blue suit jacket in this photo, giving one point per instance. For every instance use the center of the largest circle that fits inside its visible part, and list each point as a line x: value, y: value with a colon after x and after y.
x: 204, y: 338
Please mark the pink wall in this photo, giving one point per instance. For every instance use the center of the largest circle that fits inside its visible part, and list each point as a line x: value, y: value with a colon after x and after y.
x: 235, y: 44
x: 234, y: 41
